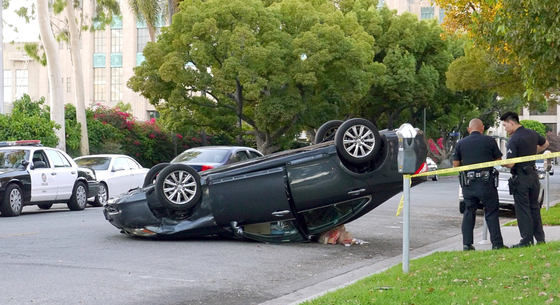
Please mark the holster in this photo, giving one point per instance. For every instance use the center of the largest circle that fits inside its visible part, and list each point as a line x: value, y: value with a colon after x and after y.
x: 512, y: 183
x: 496, y: 174
x: 463, y: 179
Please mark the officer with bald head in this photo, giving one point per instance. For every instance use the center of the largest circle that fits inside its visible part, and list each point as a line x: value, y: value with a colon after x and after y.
x: 480, y: 185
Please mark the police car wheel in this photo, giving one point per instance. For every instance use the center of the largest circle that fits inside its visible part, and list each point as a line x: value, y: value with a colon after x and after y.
x: 13, y: 201
x: 102, y: 196
x: 45, y: 206
x: 327, y: 131
x: 78, y: 201
x: 357, y: 141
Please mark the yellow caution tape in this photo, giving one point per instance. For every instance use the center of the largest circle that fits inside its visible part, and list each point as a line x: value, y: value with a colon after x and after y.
x: 477, y: 166
x: 488, y: 164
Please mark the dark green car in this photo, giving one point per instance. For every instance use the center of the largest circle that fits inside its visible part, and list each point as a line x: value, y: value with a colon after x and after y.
x: 287, y: 196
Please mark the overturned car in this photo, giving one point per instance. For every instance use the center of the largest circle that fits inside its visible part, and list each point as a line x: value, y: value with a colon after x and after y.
x: 292, y: 195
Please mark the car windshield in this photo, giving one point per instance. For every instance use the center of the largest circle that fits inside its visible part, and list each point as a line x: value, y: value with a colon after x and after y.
x: 97, y: 163
x: 199, y: 155
x: 11, y: 158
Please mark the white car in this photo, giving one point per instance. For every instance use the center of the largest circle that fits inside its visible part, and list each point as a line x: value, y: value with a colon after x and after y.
x: 432, y: 166
x: 506, y: 200
x: 117, y: 174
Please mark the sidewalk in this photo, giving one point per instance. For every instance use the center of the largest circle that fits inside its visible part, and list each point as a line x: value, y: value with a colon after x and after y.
x: 455, y: 243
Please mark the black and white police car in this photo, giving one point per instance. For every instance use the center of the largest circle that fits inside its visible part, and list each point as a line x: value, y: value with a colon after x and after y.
x: 31, y: 174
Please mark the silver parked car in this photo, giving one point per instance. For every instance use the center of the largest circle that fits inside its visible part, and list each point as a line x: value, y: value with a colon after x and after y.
x: 506, y: 200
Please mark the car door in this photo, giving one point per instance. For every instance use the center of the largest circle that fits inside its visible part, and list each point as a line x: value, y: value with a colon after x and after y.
x: 44, y: 181
x: 321, y: 180
x: 65, y: 173
x: 120, y: 177
x: 137, y: 174
x: 249, y: 197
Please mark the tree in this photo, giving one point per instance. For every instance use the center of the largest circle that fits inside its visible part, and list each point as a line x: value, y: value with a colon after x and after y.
x: 271, y: 68
x: 519, y: 33
x: 51, y: 52
x: 151, y: 12
x: 71, y: 33
x: 537, y: 126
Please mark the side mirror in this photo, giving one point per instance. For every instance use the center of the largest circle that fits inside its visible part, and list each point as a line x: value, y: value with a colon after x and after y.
x: 39, y: 164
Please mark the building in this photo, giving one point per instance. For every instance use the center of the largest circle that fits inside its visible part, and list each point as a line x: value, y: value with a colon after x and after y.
x: 108, y: 59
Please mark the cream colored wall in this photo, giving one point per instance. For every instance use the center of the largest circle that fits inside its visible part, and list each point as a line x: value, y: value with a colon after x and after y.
x: 38, y: 75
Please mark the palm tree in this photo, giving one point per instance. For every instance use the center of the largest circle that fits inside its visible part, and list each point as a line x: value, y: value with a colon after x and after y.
x: 151, y: 12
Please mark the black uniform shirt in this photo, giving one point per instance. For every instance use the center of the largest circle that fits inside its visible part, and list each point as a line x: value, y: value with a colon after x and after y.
x: 477, y: 148
x: 522, y: 143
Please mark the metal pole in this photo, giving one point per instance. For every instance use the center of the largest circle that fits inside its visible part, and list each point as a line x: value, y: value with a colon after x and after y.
x: 484, y: 233
x: 546, y: 185
x: 406, y: 222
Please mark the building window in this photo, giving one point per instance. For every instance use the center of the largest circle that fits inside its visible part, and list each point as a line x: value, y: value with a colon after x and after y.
x: 8, y: 86
x: 116, y: 84
x: 153, y: 114
x: 99, y: 84
x: 427, y: 12
x: 143, y: 36
x: 116, y: 40
x: 68, y: 85
x: 22, y: 83
x: 99, y: 42
x: 441, y: 15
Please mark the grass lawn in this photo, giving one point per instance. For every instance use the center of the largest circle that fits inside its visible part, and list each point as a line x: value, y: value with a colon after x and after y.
x: 549, y: 218
x: 509, y: 276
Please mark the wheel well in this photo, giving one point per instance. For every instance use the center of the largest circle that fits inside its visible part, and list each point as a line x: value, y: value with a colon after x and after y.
x: 26, y: 197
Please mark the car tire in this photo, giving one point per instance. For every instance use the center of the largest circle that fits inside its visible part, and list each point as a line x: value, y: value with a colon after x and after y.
x: 102, y: 196
x: 153, y: 173
x: 78, y: 201
x: 327, y: 131
x: 45, y: 206
x: 461, y: 207
x: 12, y: 203
x: 178, y: 187
x: 357, y: 141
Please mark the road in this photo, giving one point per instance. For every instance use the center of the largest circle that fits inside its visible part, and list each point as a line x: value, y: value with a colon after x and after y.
x: 63, y: 257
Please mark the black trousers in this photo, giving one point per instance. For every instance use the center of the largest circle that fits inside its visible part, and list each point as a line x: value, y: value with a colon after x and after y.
x: 481, y: 191
x: 527, y: 208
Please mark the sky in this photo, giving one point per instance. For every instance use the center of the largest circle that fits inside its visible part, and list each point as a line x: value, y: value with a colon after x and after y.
x: 26, y: 32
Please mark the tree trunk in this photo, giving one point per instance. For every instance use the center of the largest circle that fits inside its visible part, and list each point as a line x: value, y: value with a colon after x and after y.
x: 53, y: 68
x: 78, y: 77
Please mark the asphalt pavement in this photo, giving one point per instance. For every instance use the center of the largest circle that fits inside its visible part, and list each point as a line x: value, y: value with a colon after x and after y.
x: 510, y: 235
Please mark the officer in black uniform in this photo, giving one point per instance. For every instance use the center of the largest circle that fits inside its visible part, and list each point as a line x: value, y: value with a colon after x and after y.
x: 479, y: 185
x: 524, y: 183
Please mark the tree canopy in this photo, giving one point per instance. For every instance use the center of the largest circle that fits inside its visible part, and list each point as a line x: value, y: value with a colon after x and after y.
x: 522, y: 35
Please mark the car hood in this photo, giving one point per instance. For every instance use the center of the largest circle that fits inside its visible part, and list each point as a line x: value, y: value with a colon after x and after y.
x: 8, y: 170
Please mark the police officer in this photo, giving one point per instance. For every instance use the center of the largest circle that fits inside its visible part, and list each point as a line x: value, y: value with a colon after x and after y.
x: 524, y: 183
x: 479, y: 185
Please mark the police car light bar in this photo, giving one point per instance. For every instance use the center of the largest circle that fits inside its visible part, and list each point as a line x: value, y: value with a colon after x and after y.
x: 21, y: 143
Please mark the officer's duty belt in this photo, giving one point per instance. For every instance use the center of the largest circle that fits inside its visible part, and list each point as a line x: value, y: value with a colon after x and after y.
x: 473, y: 174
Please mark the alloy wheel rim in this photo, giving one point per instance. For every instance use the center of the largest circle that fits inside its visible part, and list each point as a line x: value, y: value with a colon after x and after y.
x: 179, y: 187
x: 358, y: 141
x: 15, y: 200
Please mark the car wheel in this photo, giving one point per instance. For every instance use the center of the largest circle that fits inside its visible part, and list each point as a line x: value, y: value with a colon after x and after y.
x: 78, y: 201
x: 461, y: 207
x: 153, y: 173
x: 435, y: 178
x: 13, y: 201
x: 178, y: 187
x: 327, y: 131
x: 102, y: 196
x: 357, y: 141
x: 45, y: 206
